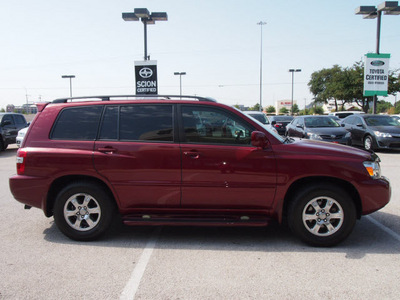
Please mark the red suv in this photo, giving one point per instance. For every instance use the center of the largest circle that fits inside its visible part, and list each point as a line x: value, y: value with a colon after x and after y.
x: 162, y: 160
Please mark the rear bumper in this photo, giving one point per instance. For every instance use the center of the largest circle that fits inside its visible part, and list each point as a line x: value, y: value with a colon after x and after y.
x: 29, y: 190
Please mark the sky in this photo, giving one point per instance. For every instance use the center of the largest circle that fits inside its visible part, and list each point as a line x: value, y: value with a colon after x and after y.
x: 217, y: 44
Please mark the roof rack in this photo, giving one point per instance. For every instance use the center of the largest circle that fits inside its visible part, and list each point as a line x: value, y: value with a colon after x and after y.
x: 129, y: 97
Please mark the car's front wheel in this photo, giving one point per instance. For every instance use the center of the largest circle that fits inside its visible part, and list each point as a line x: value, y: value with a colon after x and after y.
x: 83, y: 211
x: 368, y: 143
x: 321, y: 215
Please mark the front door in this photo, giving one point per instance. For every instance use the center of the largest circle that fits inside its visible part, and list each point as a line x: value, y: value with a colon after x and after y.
x: 220, y: 168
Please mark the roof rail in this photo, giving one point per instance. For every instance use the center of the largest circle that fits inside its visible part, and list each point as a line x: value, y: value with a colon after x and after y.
x: 129, y: 97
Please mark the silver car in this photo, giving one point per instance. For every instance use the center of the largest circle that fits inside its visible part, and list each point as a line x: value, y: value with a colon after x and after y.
x: 262, y: 118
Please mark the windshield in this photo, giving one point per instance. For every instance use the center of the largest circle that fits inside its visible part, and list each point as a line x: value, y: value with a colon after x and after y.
x: 314, y: 122
x: 380, y: 121
x: 283, y: 118
x: 260, y: 117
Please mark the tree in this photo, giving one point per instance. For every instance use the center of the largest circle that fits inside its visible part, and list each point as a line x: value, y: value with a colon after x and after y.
x: 318, y: 110
x: 346, y: 85
x: 383, y: 106
x: 295, y: 109
x: 255, y: 107
x: 270, y: 109
x: 283, y: 111
x: 328, y: 84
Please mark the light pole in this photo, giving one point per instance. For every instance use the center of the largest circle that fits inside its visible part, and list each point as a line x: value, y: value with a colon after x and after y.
x: 372, y: 12
x: 70, y: 82
x: 144, y: 15
x: 292, y: 71
x: 261, y: 23
x: 180, y: 80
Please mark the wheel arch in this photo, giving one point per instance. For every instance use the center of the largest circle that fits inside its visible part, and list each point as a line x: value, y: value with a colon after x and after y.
x: 61, y: 182
x: 305, y: 183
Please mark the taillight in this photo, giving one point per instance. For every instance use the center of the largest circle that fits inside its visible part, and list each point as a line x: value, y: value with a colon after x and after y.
x: 21, y: 161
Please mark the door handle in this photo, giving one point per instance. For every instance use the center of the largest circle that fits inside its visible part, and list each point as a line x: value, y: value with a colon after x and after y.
x: 192, y: 154
x: 107, y: 150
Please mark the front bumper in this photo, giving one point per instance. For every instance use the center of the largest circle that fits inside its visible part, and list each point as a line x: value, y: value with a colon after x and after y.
x: 388, y: 143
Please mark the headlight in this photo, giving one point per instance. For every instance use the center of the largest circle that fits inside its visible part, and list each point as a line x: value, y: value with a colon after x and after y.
x: 382, y: 134
x: 373, y: 168
x: 313, y: 136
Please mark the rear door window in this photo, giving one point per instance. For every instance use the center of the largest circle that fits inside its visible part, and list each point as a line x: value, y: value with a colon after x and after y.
x: 146, y: 123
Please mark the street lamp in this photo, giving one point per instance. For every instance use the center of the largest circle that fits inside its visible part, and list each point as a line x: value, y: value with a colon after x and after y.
x: 70, y: 82
x: 144, y: 15
x: 292, y: 71
x: 372, y: 12
x: 261, y: 23
x: 180, y: 80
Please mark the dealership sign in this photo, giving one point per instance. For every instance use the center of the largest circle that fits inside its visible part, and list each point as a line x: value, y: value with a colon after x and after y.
x: 376, y: 74
x: 146, y: 77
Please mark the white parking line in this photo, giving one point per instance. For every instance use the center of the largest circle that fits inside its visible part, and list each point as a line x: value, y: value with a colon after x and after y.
x: 137, y: 273
x: 384, y: 228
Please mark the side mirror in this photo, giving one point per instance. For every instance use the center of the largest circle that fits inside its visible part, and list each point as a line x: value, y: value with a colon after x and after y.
x: 299, y: 126
x: 273, y: 122
x: 343, y: 125
x: 259, y: 139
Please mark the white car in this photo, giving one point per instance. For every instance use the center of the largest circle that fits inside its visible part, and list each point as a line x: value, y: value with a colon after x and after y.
x: 262, y: 118
x: 21, y: 135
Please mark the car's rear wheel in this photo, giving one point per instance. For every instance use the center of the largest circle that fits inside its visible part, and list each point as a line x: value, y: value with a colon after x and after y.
x: 321, y: 215
x: 83, y: 211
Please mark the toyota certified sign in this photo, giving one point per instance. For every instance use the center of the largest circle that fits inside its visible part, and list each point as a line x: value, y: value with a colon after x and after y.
x: 146, y: 77
x: 376, y: 74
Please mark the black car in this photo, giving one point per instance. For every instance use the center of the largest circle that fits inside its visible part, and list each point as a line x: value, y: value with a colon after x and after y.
x: 280, y: 122
x: 373, y: 132
x: 10, y: 124
x: 320, y: 128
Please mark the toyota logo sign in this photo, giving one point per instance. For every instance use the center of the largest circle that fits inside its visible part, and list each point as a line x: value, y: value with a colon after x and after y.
x: 146, y: 73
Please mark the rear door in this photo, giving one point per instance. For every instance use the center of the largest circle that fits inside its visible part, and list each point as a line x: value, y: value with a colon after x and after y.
x: 136, y: 153
x: 220, y: 168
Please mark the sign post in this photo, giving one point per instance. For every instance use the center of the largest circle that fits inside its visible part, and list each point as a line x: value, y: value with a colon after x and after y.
x: 146, y: 77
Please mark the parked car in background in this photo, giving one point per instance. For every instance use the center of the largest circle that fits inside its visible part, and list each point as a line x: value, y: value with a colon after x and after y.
x: 262, y: 118
x: 346, y: 113
x: 373, y: 132
x: 184, y: 160
x: 10, y: 124
x: 396, y: 118
x: 320, y: 128
x: 20, y: 136
x: 280, y: 122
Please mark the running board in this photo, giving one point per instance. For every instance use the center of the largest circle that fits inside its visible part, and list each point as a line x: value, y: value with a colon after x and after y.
x: 196, y: 220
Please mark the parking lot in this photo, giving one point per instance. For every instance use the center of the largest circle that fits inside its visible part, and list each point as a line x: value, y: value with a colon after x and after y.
x: 38, y: 262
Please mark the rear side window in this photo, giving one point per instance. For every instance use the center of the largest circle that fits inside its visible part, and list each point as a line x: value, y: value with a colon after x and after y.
x: 146, y: 123
x: 77, y: 123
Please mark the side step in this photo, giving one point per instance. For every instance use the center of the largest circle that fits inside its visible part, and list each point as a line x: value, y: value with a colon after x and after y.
x: 196, y: 220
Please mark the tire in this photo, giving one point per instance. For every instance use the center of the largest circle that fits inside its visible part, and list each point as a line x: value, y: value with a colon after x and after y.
x: 3, y: 145
x: 321, y: 215
x: 369, y: 143
x: 83, y: 211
